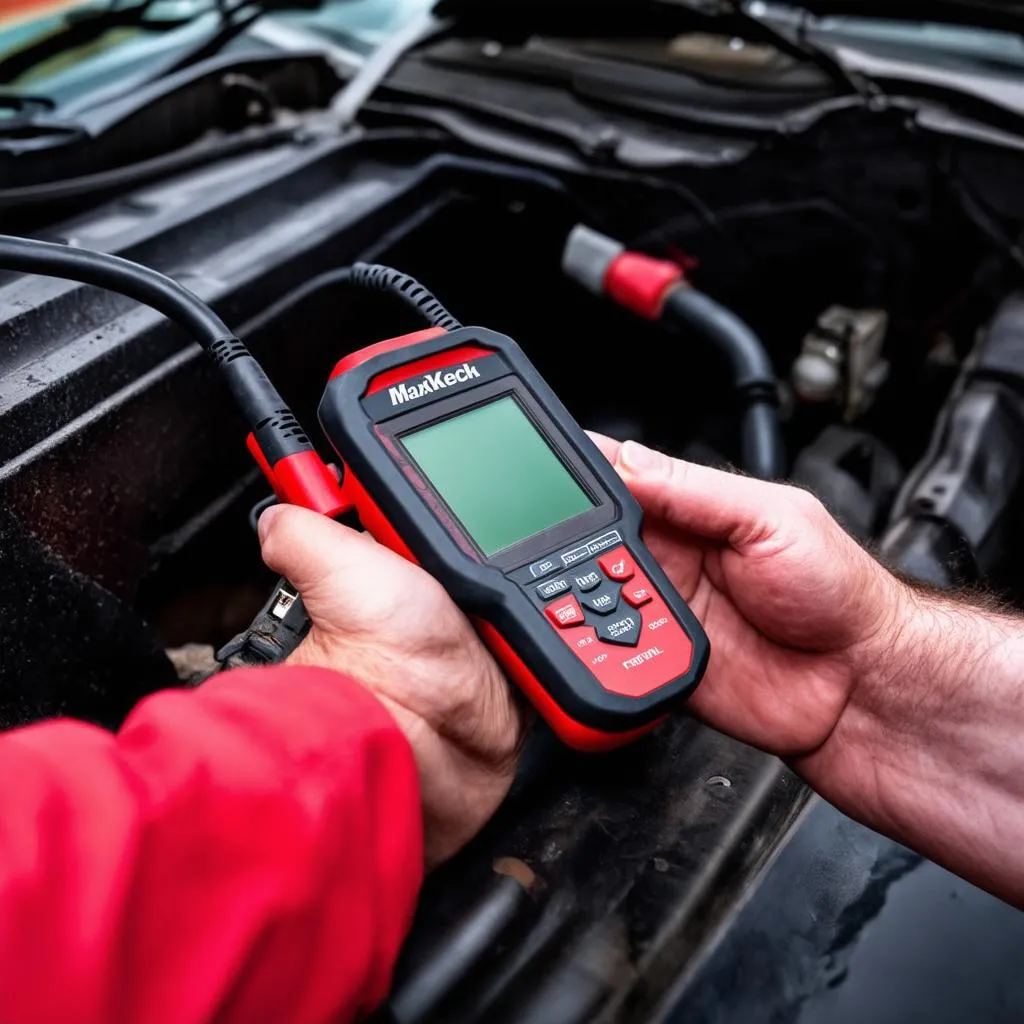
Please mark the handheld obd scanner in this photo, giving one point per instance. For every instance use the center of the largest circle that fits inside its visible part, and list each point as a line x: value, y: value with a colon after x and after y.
x: 459, y: 457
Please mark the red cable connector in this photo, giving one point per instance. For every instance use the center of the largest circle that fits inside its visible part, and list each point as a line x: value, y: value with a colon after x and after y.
x: 303, y: 479
x: 634, y: 280
x: 642, y: 283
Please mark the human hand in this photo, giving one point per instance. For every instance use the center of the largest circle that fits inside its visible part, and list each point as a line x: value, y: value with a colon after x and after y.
x: 795, y: 610
x: 899, y: 706
x: 392, y: 627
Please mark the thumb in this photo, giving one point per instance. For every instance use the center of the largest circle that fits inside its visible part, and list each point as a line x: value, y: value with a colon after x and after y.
x: 306, y: 548
x: 708, y: 502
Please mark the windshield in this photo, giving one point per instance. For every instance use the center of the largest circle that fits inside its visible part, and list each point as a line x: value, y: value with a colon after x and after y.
x: 138, y: 31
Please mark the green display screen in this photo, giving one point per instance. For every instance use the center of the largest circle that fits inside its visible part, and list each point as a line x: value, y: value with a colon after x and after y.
x: 497, y: 474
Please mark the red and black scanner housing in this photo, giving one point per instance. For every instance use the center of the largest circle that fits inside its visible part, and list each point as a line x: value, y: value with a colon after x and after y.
x: 599, y: 679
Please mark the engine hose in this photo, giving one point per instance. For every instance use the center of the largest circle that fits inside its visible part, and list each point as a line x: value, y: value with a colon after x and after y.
x: 763, y: 451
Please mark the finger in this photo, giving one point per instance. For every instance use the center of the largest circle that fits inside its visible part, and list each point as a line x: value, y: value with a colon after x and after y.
x: 308, y: 549
x: 608, y: 446
x: 708, y: 502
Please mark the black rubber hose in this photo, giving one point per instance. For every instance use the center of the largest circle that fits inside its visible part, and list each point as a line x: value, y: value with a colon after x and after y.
x: 694, y: 311
x: 764, y: 454
x: 470, y: 939
x: 256, y: 396
x: 99, y: 185
x: 176, y: 302
x: 762, y: 450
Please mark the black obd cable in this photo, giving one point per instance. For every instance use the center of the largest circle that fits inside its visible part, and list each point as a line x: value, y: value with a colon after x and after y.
x: 277, y: 441
x: 285, y: 447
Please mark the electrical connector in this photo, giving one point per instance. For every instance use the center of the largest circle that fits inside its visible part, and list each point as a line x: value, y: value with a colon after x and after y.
x: 634, y: 280
x: 280, y: 626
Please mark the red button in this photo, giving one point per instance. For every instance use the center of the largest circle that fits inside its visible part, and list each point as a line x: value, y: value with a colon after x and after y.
x: 637, y: 595
x: 617, y: 565
x: 565, y: 613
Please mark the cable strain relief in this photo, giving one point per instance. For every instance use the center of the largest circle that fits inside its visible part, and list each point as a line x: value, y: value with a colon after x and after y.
x: 280, y: 435
x: 256, y: 397
x: 227, y: 350
x: 375, y: 277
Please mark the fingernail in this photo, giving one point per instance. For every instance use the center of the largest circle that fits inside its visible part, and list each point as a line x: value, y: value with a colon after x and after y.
x: 266, y: 521
x: 638, y: 459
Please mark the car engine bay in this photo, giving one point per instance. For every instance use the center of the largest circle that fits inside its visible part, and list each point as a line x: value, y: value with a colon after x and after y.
x: 869, y: 238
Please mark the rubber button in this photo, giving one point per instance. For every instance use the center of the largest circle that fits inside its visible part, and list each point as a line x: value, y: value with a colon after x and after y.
x: 603, y: 601
x: 565, y: 613
x: 553, y: 588
x: 638, y: 594
x: 623, y: 630
x: 618, y: 565
x: 588, y: 581
x: 545, y: 567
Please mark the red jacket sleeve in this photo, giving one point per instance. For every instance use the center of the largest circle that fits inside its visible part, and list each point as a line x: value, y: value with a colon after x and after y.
x: 247, y: 852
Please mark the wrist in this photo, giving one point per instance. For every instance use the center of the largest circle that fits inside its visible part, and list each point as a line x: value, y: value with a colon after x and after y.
x: 934, y: 664
x: 930, y: 646
x: 927, y: 748
x: 898, y: 637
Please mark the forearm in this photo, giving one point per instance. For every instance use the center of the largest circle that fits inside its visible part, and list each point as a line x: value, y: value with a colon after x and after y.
x: 930, y: 748
x: 249, y: 851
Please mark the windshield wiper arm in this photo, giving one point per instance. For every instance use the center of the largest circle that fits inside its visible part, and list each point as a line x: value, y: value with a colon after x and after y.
x: 22, y: 104
x: 81, y: 28
x: 23, y: 116
x: 235, y: 17
x: 234, y: 20
x: 802, y: 48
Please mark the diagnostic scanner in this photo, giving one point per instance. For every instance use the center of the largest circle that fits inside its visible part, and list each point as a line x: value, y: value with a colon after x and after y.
x: 460, y: 458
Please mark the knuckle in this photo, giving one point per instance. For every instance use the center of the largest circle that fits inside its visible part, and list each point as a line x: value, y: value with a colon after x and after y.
x: 677, y: 474
x: 666, y: 482
x: 806, y: 503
